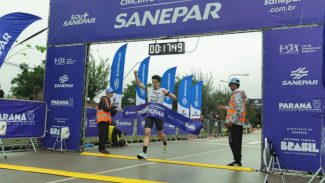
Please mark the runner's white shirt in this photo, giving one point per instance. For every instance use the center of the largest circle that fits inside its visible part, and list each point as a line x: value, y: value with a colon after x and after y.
x: 156, y: 95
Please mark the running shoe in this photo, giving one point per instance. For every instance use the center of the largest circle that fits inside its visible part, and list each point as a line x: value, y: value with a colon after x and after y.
x: 142, y: 155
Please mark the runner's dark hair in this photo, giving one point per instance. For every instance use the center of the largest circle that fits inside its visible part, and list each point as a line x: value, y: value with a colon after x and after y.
x: 156, y: 77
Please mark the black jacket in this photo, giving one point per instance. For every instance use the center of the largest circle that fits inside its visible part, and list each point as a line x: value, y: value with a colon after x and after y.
x: 102, y: 105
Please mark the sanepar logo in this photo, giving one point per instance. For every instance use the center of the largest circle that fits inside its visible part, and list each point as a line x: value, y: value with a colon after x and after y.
x: 189, y: 126
x: 168, y: 16
x: 156, y: 112
x: 79, y: 19
x: 63, y: 82
x: 276, y: 2
x: 299, y: 73
x: 298, y: 78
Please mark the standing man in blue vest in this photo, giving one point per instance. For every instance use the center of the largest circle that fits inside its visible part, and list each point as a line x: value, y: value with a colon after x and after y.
x: 157, y: 95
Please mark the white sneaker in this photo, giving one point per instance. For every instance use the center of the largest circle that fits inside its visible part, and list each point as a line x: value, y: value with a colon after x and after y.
x: 142, y: 155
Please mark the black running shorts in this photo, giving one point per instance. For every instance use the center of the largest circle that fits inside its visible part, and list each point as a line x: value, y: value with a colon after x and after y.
x: 150, y: 121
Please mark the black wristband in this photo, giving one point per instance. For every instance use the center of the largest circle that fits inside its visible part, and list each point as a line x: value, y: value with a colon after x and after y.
x: 167, y: 93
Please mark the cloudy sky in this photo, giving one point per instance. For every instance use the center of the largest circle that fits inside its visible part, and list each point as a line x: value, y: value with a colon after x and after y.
x: 220, y: 55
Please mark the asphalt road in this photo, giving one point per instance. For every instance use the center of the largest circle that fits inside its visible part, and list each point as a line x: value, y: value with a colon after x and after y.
x: 211, y: 151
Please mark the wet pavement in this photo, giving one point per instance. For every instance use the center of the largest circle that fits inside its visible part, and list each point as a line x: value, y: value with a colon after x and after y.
x: 211, y: 151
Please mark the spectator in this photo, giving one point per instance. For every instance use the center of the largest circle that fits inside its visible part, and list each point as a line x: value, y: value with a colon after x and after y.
x: 211, y: 123
x: 2, y: 93
x: 37, y: 94
x: 219, y: 126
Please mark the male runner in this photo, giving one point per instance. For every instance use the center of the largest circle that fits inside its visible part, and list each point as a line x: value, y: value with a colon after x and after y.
x: 157, y: 95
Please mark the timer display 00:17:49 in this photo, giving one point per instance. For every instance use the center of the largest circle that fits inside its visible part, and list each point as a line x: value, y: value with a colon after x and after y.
x: 167, y: 48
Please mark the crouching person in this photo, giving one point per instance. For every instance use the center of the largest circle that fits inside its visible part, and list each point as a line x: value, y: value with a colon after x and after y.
x: 115, y: 135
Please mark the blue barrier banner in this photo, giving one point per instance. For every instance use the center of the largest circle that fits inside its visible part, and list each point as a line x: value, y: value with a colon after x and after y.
x: 161, y: 112
x: 141, y: 95
x: 91, y: 125
x: 64, y: 93
x: 20, y: 119
x: 117, y: 74
x: 169, y: 129
x: 94, y: 21
x: 196, y: 100
x: 184, y: 96
x: 140, y: 125
x: 168, y: 82
x: 292, y: 92
x: 11, y: 26
x: 124, y: 124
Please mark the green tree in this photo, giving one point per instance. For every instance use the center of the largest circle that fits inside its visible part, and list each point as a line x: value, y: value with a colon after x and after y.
x: 129, y: 95
x: 97, y: 76
x: 40, y: 49
x: 253, y: 114
x: 23, y: 83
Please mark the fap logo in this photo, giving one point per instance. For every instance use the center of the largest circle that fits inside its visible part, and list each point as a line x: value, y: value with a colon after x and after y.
x: 289, y: 49
x: 79, y: 19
